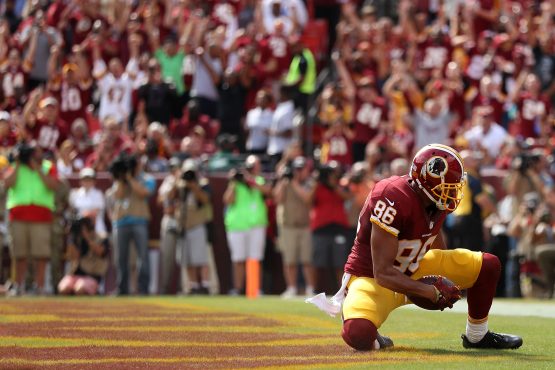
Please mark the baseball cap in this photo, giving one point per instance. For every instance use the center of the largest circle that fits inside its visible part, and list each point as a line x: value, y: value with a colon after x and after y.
x: 189, y: 165
x: 70, y: 67
x: 5, y: 116
x: 45, y: 102
x: 87, y: 172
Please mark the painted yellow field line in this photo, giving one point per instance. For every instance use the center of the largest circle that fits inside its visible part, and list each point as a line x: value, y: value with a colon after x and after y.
x: 48, y: 318
x: 186, y: 328
x: 328, y: 360
x: 48, y: 342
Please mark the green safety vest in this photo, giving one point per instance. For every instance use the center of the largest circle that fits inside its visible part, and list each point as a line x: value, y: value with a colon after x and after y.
x: 238, y: 215
x: 259, y: 212
x: 30, y: 190
x: 308, y: 85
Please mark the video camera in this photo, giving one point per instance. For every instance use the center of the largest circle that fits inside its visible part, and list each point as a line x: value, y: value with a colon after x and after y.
x: 524, y: 160
x: 121, y: 166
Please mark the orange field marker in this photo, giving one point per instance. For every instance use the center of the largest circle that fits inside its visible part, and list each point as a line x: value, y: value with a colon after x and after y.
x: 253, y: 278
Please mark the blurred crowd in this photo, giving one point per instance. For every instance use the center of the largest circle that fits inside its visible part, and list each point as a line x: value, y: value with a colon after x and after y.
x: 303, y: 104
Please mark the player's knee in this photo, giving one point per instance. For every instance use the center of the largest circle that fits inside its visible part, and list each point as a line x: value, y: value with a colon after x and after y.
x: 491, y: 265
x: 359, y: 334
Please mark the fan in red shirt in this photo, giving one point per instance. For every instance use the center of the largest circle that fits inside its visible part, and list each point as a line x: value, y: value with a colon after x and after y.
x: 328, y: 220
x: 275, y: 55
x: 337, y: 144
x: 8, y: 136
x: 42, y: 122
x: 13, y: 80
x: 532, y: 108
x: 73, y: 90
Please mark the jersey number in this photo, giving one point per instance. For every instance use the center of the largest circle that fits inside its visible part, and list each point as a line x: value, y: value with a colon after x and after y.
x: 411, y: 252
x: 384, y: 213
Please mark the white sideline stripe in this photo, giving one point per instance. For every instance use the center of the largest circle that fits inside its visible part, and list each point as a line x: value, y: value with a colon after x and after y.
x: 503, y: 307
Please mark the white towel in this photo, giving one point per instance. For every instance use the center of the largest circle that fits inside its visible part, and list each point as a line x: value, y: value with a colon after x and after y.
x: 333, y: 306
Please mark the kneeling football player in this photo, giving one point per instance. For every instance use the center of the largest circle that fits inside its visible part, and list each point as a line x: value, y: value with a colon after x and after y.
x: 399, y: 241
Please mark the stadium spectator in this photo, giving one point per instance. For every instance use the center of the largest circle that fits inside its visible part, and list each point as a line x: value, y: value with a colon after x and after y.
x: 192, y: 212
x: 8, y: 134
x: 281, y: 129
x: 169, y: 228
x: 245, y: 218
x: 88, y: 201
x: 156, y: 99
x: 31, y: 185
x: 42, y: 122
x: 128, y: 209
x: 329, y: 224
x: 293, y: 195
x: 207, y: 76
x: 301, y: 74
x: 487, y: 136
x: 258, y: 123
x: 87, y: 254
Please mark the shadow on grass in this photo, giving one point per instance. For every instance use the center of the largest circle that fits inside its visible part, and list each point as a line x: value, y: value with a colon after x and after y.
x: 473, y: 353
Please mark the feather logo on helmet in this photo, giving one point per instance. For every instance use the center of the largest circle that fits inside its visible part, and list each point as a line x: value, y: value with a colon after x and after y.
x: 437, y: 167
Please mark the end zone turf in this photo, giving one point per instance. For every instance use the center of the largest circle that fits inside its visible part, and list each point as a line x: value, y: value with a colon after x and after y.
x: 222, y: 332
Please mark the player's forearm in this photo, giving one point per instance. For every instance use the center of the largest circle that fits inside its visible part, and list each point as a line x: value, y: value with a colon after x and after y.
x: 393, y: 279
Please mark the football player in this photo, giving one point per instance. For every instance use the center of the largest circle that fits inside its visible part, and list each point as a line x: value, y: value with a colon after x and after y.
x: 399, y: 241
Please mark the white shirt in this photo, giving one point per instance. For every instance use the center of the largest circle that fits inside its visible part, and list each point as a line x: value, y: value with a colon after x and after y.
x: 84, y: 200
x: 286, y: 15
x: 281, y: 122
x: 115, y: 93
x: 258, y: 121
x: 491, y: 141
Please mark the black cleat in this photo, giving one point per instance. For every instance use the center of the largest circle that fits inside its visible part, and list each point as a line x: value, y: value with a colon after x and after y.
x: 494, y: 341
x: 385, y: 342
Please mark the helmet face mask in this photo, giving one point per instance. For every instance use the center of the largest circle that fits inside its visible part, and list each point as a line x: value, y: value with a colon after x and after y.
x: 439, y: 173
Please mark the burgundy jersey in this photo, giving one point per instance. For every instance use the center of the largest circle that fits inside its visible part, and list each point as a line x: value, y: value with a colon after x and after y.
x: 73, y: 102
x: 394, y: 206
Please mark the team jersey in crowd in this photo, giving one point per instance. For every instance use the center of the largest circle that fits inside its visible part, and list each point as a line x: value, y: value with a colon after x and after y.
x: 73, y: 99
x: 394, y: 206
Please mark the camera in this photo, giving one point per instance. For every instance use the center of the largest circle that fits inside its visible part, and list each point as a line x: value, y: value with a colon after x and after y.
x: 189, y: 175
x: 122, y: 165
x: 77, y: 226
x: 287, y: 172
x: 24, y: 152
x: 237, y: 175
x: 524, y: 160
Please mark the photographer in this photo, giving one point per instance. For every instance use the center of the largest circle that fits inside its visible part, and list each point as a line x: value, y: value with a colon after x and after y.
x: 329, y: 222
x: 192, y: 212
x: 532, y: 227
x: 293, y: 195
x: 128, y: 208
x: 87, y: 253
x: 246, y: 217
x: 31, y: 186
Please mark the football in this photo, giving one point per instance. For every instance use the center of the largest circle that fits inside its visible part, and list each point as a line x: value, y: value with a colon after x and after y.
x: 433, y: 280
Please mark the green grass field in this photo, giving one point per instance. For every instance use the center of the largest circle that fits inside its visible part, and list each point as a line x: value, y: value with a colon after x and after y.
x: 229, y: 332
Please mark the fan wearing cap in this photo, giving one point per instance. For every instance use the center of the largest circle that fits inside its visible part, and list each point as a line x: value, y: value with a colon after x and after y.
x: 31, y: 185
x: 89, y: 201
x: 193, y: 210
x: 293, y: 194
x: 42, y: 121
x: 72, y: 86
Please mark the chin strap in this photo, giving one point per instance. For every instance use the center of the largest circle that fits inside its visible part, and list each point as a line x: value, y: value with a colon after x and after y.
x: 439, y: 205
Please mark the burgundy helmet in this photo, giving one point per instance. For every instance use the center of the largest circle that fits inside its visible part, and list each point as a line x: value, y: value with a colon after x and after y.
x: 439, y: 172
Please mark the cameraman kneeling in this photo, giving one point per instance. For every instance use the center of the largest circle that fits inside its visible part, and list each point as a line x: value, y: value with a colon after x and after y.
x: 87, y: 253
x: 193, y: 212
x: 128, y: 208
